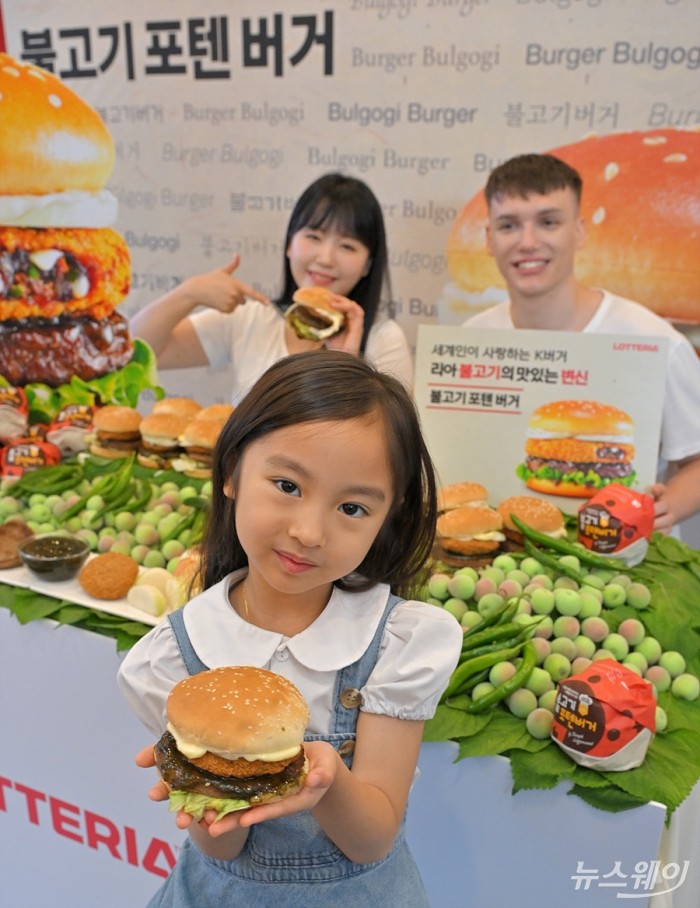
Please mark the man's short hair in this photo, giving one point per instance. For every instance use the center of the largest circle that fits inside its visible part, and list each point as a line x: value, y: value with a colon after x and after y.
x: 529, y: 174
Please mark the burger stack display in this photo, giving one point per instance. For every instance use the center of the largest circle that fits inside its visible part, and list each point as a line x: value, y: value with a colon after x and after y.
x: 63, y: 269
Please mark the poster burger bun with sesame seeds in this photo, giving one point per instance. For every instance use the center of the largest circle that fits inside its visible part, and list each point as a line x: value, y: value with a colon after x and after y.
x: 63, y: 269
x: 641, y: 211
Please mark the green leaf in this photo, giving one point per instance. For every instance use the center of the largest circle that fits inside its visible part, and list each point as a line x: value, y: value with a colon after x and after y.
x: 608, y: 798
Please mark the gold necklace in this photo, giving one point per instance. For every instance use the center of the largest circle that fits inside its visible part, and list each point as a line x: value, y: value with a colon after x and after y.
x: 245, y: 603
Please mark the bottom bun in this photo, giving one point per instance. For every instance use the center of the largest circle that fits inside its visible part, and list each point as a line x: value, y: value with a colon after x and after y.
x: 563, y: 489
x: 195, y: 804
x: 108, y: 453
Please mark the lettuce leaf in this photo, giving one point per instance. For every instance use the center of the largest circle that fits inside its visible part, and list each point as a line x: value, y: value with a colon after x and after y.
x: 196, y: 804
x: 124, y: 387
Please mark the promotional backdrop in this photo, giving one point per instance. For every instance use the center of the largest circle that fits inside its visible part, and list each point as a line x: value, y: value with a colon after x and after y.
x: 223, y: 114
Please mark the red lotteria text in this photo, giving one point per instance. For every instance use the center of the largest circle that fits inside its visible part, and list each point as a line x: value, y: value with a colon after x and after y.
x: 87, y: 828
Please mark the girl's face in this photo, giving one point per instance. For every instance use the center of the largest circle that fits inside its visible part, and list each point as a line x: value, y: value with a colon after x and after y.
x: 325, y: 257
x: 310, y: 500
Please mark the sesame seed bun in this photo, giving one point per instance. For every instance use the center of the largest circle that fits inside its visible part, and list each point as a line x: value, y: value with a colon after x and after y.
x: 470, y: 530
x: 163, y: 429
x: 215, y: 413
x: 42, y: 156
x: 462, y: 494
x: 178, y: 406
x: 238, y: 711
x: 533, y: 512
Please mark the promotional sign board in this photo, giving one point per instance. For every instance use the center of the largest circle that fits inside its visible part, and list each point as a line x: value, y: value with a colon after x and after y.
x: 480, y: 394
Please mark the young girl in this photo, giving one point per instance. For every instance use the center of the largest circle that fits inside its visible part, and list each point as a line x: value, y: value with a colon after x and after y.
x: 335, y: 239
x: 324, y: 500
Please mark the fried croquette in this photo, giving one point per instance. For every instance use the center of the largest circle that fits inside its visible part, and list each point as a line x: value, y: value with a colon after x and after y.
x: 109, y: 576
x: 46, y: 273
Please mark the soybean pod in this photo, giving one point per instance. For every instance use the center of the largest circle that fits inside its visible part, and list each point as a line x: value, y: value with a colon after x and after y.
x: 508, y: 687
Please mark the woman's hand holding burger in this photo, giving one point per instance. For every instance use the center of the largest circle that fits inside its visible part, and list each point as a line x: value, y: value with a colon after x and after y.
x: 349, y: 338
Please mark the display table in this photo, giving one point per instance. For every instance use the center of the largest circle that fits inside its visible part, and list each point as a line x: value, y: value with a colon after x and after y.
x: 78, y: 831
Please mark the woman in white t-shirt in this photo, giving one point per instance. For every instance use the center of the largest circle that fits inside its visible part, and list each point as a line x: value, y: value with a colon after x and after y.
x: 335, y: 239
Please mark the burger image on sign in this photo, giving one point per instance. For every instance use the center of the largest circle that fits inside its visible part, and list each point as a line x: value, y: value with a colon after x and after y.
x: 575, y: 447
x: 63, y: 270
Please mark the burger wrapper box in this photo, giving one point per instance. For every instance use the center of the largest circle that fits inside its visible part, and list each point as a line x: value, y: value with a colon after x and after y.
x: 71, y: 428
x: 604, y: 717
x: 21, y: 456
x: 14, y: 412
x: 617, y: 522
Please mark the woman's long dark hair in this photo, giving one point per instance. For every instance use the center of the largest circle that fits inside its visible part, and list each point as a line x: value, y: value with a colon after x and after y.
x: 349, y: 205
x: 331, y: 385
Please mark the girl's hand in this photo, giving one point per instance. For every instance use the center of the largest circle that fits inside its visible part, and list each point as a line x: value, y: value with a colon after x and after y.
x: 350, y: 338
x: 146, y: 758
x: 323, y: 766
x: 219, y: 289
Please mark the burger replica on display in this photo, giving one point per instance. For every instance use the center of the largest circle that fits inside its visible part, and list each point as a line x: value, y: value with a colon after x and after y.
x: 63, y: 270
x: 233, y: 740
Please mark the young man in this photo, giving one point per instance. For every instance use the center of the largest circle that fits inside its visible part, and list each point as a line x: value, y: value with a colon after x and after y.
x: 534, y: 231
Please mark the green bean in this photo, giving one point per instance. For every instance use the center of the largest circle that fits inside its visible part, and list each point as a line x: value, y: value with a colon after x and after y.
x: 48, y: 480
x: 473, y: 639
x: 507, y: 687
x: 142, y: 495
x: 471, y: 666
x: 549, y: 561
x: 565, y: 547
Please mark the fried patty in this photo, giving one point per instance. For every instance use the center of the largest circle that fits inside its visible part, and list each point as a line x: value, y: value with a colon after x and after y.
x: 578, y: 451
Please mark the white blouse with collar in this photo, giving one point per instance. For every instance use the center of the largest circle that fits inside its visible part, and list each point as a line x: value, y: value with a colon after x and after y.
x: 419, y: 650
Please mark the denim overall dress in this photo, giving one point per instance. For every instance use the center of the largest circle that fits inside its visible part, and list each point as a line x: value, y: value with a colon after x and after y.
x: 289, y: 862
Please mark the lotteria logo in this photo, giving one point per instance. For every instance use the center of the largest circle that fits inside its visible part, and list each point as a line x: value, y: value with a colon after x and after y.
x: 88, y: 828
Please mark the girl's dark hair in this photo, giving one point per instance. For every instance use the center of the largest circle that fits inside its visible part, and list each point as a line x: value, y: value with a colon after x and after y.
x: 349, y: 205
x: 331, y: 385
x: 526, y: 174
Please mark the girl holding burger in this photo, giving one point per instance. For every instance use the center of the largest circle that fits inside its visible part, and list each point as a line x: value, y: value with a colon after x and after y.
x: 324, y: 502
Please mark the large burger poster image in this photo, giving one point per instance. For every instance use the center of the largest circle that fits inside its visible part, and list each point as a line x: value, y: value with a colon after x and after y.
x: 63, y: 269
x: 552, y: 414
x: 641, y: 210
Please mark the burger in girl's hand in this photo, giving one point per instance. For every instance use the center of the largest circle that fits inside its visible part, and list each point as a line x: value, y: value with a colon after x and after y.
x: 233, y: 740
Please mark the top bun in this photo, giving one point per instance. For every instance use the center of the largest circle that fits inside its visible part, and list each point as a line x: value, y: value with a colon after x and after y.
x: 462, y: 494
x: 116, y: 419
x: 179, y: 406
x: 51, y: 141
x: 635, y: 185
x: 214, y: 413
x: 318, y: 297
x: 201, y: 433
x: 237, y: 711
x: 579, y: 417
x: 533, y: 512
x: 463, y: 523
x: 163, y: 429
